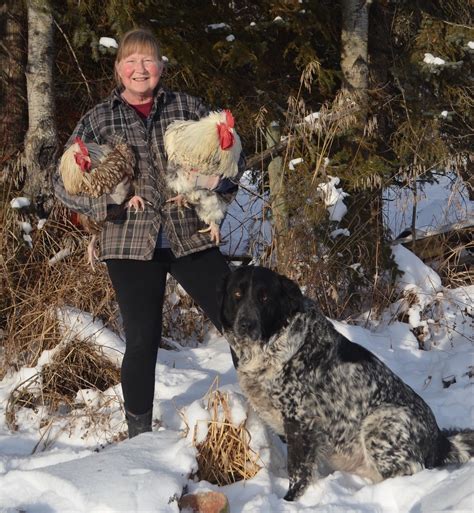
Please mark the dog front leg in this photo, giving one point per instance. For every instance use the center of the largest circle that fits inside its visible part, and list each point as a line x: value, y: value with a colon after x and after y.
x: 303, y: 453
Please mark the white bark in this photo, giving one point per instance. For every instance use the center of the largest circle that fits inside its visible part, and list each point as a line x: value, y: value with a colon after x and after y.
x: 41, y: 138
x: 354, y: 51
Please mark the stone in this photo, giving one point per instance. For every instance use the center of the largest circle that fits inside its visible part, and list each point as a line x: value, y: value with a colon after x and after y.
x: 204, y: 502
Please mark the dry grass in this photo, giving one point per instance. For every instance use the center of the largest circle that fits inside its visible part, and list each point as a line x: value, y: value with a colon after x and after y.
x: 183, y: 320
x: 225, y: 456
x: 33, y: 288
x: 76, y: 366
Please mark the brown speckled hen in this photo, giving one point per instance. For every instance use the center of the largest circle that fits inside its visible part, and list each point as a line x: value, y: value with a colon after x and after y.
x: 90, y: 169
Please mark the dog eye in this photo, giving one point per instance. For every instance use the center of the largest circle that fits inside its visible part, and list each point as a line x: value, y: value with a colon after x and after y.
x: 237, y: 294
x: 263, y: 298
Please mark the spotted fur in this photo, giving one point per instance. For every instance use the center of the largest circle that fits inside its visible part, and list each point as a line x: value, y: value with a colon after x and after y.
x: 334, y: 402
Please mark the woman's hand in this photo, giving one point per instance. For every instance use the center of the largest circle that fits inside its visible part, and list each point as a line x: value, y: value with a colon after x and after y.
x: 200, y: 181
x: 180, y: 200
x: 137, y: 203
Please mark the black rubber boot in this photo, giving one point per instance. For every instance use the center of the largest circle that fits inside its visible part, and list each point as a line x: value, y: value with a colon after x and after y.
x: 138, y: 424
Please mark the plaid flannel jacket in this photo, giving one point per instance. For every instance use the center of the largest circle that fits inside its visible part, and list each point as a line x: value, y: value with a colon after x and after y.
x: 134, y: 235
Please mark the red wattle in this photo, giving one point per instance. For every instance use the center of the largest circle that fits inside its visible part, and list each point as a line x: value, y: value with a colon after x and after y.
x: 82, y: 161
x: 226, y: 137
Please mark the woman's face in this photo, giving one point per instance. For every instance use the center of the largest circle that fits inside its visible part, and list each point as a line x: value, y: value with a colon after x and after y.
x: 139, y: 73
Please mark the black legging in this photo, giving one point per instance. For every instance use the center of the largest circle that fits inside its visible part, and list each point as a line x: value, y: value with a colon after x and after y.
x: 140, y: 287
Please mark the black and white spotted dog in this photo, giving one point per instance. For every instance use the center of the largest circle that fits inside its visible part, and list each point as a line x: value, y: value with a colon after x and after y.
x: 334, y: 402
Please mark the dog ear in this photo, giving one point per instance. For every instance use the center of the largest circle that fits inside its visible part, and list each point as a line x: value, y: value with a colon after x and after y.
x: 293, y: 295
x: 220, y: 293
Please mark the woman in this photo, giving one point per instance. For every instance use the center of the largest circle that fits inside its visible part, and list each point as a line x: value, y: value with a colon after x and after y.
x: 141, y: 248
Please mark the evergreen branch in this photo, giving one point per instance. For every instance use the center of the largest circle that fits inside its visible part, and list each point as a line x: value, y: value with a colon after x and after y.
x: 275, y: 151
x: 75, y: 58
x: 270, y: 153
x: 457, y: 24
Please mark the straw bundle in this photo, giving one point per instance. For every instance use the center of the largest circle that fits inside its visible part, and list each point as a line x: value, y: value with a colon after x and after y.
x: 225, y: 456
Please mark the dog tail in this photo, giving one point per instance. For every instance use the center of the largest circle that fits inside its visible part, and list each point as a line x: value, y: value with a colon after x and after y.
x: 460, y: 447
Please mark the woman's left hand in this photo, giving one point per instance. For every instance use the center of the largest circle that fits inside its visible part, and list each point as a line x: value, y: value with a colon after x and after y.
x: 201, y: 181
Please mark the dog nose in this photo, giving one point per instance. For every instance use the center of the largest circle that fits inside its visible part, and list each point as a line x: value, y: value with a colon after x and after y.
x: 248, y: 327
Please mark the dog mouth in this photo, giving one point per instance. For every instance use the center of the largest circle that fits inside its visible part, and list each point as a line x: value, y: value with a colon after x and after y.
x: 250, y: 333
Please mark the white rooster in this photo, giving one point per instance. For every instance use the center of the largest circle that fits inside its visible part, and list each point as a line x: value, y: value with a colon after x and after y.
x: 92, y: 170
x: 210, y: 146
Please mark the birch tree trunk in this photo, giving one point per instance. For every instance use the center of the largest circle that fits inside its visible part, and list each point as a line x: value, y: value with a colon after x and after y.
x: 354, y: 50
x: 41, y: 138
x: 12, y: 80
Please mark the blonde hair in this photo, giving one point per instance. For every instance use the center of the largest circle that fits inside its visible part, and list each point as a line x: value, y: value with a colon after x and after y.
x: 137, y: 41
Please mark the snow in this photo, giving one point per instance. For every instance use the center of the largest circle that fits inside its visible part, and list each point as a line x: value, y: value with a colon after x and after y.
x: 246, y: 229
x: 294, y: 162
x: 60, y: 255
x: 340, y: 231
x: 218, y: 26
x: 108, y: 42
x: 471, y: 45
x: 416, y: 275
x: 73, y: 463
x: 26, y: 227
x: 431, y: 59
x: 70, y: 470
x: 333, y: 197
x: 312, y: 118
x: 438, y: 204
x: 196, y: 417
x: 20, y: 202
x: 230, y: 38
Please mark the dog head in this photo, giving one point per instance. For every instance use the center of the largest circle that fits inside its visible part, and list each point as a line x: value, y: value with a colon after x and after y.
x: 257, y: 302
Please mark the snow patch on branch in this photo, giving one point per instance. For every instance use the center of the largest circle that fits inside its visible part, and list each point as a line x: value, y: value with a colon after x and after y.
x: 333, y: 197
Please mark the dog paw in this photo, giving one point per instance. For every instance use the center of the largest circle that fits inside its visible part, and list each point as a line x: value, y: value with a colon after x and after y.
x: 294, y: 492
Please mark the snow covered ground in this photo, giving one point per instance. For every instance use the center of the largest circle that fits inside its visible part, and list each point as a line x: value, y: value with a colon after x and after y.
x: 67, y: 466
x: 441, y: 203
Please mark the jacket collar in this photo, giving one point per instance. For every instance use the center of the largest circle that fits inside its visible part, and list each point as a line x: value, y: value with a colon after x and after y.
x: 161, y: 93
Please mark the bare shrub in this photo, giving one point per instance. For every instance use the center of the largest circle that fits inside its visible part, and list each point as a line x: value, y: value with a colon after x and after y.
x: 77, y: 366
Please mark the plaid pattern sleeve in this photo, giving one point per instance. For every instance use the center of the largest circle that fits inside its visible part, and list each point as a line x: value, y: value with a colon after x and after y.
x: 134, y: 235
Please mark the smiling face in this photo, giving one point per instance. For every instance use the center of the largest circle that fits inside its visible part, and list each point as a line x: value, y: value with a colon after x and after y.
x: 139, y: 74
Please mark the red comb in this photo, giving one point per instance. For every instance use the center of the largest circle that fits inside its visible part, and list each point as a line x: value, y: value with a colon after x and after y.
x: 229, y: 118
x: 82, y: 146
x: 82, y: 156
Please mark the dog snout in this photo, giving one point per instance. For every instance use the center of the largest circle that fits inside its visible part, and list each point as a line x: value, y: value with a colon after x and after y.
x: 248, y: 326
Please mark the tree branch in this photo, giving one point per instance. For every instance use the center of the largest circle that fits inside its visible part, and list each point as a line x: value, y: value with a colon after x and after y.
x: 75, y: 58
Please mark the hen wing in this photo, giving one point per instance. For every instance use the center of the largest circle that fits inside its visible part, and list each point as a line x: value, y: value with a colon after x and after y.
x: 118, y: 164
